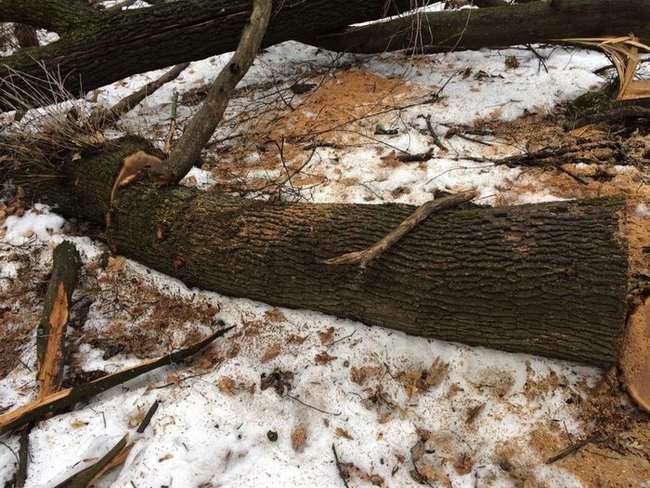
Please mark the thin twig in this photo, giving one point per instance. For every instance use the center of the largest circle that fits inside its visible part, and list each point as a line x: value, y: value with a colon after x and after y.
x: 575, y: 447
x: 342, y: 474
x: 434, y: 136
x: 311, y: 406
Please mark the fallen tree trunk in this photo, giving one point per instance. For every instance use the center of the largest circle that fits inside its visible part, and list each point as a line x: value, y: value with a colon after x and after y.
x: 548, y: 279
x: 497, y: 27
x: 50, y: 342
x: 100, y: 47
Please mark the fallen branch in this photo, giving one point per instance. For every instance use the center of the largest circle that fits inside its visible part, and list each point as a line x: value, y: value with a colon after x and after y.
x: 121, y: 456
x: 84, y: 477
x: 187, y: 150
x: 575, y: 447
x: 555, y: 157
x: 415, y: 158
x: 432, y: 132
x: 63, y: 399
x: 362, y: 258
x: 611, y: 115
x: 105, y: 117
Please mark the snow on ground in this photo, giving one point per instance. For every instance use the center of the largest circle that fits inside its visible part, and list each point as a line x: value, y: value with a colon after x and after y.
x: 356, y: 387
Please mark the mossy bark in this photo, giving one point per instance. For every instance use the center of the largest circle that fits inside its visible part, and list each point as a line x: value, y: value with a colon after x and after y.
x: 548, y: 279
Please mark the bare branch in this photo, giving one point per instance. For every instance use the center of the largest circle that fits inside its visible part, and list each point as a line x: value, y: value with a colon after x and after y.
x: 106, y: 117
x: 188, y: 149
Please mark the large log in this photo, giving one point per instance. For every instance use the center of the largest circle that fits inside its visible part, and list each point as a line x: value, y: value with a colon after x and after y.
x: 99, y: 47
x: 497, y: 27
x: 548, y: 279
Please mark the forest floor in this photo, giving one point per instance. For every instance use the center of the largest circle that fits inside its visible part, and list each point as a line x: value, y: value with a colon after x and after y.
x: 264, y: 405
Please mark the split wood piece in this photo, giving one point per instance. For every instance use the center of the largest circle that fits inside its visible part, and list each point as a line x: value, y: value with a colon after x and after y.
x: 624, y: 53
x: 362, y: 258
x: 50, y: 344
x: 86, y: 476
x: 549, y: 279
x: 106, y: 117
x: 63, y: 399
x: 635, y: 357
x: 120, y: 457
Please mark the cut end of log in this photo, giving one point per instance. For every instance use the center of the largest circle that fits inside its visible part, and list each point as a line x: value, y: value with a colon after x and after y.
x: 635, y: 356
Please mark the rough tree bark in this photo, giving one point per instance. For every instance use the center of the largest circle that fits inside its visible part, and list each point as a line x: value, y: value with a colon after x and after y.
x: 99, y: 47
x: 498, y: 26
x: 547, y: 279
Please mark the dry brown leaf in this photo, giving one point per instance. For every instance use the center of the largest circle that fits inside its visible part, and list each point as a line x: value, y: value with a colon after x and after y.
x: 324, y: 358
x: 362, y: 374
x: 326, y: 336
x: 78, y: 424
x: 165, y: 457
x: 115, y: 264
x: 275, y: 315
x: 464, y: 464
x: 136, y: 418
x: 296, y: 339
x: 271, y: 352
x: 234, y: 351
x: 298, y: 438
x: 226, y: 385
x: 343, y: 433
x: 173, y: 379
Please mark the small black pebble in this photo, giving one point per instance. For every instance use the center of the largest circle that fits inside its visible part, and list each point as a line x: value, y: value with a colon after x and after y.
x: 272, y: 435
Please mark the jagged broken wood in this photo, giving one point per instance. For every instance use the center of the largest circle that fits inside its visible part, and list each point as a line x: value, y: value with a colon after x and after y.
x: 90, y: 475
x: 85, y: 477
x: 548, y: 279
x: 50, y: 343
x: 66, y: 398
x: 362, y: 258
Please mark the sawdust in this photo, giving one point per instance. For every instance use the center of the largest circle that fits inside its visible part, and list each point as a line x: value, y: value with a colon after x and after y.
x: 344, y: 110
x: 595, y: 465
x: 634, y: 358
